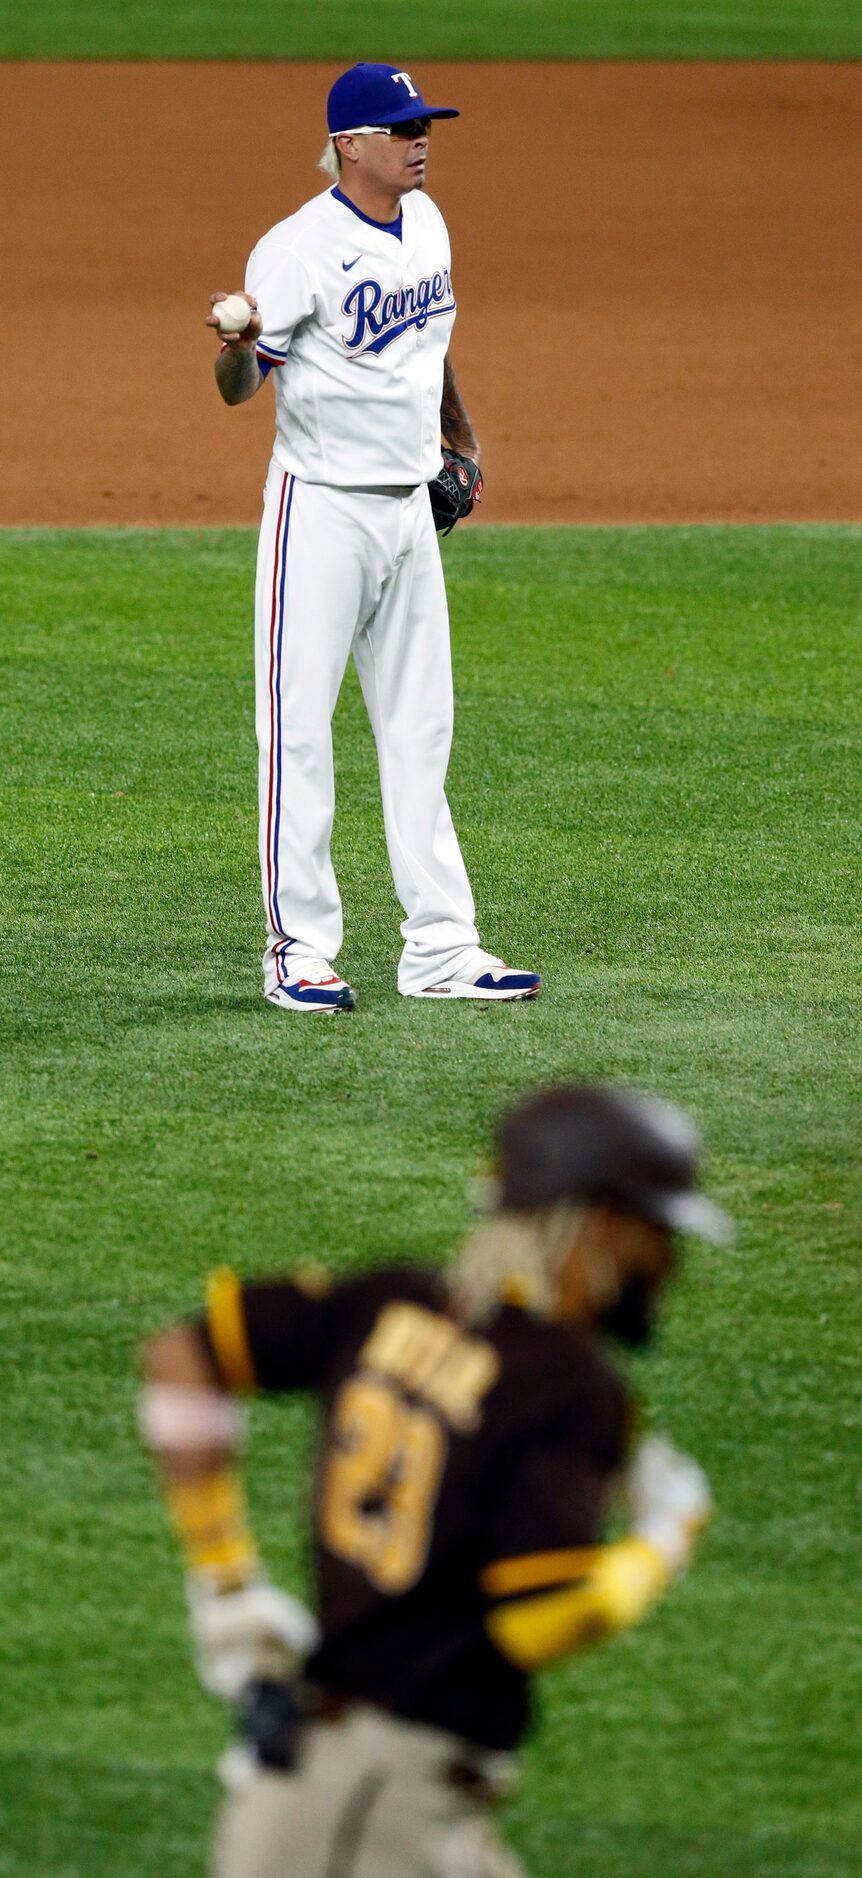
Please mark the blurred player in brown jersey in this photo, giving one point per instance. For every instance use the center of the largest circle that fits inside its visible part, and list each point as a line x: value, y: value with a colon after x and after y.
x: 475, y: 1437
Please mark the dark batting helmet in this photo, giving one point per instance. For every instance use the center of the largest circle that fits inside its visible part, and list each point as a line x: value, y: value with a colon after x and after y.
x: 606, y: 1147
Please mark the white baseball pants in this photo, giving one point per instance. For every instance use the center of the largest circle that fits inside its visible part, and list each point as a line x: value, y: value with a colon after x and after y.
x: 359, y: 571
x: 370, y: 1798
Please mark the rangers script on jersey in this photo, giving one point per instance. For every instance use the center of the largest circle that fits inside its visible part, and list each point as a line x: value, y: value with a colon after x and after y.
x: 357, y: 319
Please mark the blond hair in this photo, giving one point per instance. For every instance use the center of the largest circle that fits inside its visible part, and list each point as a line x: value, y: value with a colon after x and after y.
x: 515, y: 1258
x: 330, y: 162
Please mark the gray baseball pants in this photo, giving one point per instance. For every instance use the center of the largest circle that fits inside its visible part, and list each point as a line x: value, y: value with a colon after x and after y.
x: 372, y: 1797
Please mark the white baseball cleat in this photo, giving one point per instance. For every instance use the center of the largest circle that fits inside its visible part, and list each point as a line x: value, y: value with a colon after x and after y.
x: 489, y: 980
x: 309, y: 985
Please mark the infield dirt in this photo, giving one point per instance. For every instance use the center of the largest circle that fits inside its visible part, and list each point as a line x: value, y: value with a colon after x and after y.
x: 658, y: 272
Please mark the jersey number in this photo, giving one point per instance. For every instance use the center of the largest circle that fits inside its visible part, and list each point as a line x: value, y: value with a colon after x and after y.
x: 381, y: 1482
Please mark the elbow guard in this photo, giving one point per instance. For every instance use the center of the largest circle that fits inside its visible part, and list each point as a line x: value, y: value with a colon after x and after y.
x: 616, y: 1591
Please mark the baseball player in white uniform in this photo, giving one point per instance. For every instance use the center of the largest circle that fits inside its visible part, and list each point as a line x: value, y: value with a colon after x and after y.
x: 351, y: 308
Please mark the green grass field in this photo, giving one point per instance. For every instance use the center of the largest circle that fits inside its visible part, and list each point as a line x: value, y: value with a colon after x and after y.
x: 655, y: 780
x: 433, y: 29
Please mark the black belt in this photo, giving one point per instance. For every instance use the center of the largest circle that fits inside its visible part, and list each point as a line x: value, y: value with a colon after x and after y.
x: 274, y: 1714
x: 325, y: 1706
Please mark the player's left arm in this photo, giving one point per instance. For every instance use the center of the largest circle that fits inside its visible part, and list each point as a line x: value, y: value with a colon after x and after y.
x: 455, y: 424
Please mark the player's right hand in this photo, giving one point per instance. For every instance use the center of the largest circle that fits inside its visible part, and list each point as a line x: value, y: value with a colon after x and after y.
x: 247, y: 1635
x: 246, y: 340
x: 670, y: 1499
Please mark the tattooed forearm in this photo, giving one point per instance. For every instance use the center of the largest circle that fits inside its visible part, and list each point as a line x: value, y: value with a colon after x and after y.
x: 454, y: 422
x: 237, y: 374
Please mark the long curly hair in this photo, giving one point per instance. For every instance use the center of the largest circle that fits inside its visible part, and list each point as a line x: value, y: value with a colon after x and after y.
x: 515, y: 1258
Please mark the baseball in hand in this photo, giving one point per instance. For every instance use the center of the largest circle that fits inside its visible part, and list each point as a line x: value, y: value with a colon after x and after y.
x: 232, y: 314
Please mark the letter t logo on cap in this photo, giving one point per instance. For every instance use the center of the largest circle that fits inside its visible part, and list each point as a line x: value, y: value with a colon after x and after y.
x: 403, y: 78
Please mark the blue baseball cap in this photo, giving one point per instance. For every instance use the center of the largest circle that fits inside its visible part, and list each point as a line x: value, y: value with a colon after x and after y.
x: 376, y: 95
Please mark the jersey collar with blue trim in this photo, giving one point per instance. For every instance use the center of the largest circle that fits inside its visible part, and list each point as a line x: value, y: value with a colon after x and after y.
x: 386, y: 228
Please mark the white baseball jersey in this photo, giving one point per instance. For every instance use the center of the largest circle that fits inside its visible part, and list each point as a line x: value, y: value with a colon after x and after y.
x: 356, y: 324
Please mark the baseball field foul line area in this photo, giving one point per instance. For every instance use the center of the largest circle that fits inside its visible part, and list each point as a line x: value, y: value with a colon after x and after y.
x: 654, y: 776
x: 659, y: 313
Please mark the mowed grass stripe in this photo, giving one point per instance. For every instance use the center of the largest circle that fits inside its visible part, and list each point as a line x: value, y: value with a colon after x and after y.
x: 655, y: 778
x: 345, y: 30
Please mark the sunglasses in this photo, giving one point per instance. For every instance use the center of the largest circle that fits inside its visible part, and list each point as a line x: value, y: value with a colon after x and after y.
x: 413, y: 127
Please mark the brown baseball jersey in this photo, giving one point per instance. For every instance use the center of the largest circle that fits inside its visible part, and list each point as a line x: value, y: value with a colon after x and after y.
x: 457, y: 1467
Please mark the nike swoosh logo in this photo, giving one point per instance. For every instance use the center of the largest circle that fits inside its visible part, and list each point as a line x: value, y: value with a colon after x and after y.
x: 347, y: 265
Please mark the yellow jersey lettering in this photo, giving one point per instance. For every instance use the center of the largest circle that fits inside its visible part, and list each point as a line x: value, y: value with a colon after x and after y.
x: 433, y: 1358
x: 381, y: 1479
